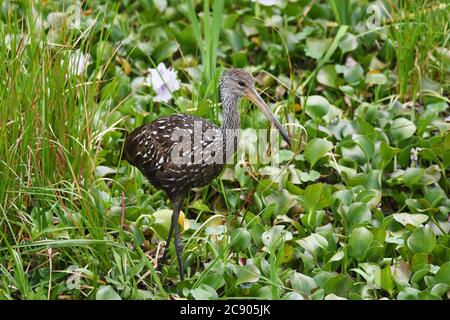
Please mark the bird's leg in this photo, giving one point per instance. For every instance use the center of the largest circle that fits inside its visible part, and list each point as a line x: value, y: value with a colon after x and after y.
x: 179, y: 246
x: 174, y: 228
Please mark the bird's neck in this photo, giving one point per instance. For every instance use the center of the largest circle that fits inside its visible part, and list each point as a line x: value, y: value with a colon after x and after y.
x: 231, y: 123
x: 231, y: 117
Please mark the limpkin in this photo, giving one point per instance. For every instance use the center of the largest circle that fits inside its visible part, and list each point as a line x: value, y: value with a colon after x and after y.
x: 151, y: 148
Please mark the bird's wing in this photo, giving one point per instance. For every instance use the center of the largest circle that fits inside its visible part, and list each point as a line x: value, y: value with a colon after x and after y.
x: 154, y: 148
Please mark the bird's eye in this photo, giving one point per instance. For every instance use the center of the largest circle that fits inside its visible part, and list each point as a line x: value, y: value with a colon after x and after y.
x: 241, y: 83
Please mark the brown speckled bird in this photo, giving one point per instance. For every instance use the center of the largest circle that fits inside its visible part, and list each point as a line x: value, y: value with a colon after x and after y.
x: 154, y: 148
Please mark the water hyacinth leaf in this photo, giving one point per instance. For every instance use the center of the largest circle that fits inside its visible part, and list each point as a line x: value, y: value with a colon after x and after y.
x: 359, y: 243
x: 376, y: 251
x: 352, y: 151
x: 264, y: 293
x: 402, y: 129
x: 247, y: 274
x: 107, y: 293
x: 313, y: 220
x: 420, y: 261
x: 367, y: 146
x: 338, y: 285
x: 440, y: 289
x: 375, y: 77
x: 316, y: 48
x: 344, y: 197
x: 348, y: 43
x: 164, y: 50
x: 413, y: 177
x: 348, y: 90
x: 370, y: 196
x: 425, y: 295
x: 276, y: 236
x: 240, y: 239
x: 432, y: 175
x: 338, y: 256
x: 419, y: 275
x: 311, y: 176
x: 358, y: 212
x: 302, y: 283
x: 443, y: 275
x: 292, y: 296
x: 332, y: 296
x: 317, y: 196
x: 200, y: 206
x: 102, y: 171
x: 408, y: 293
x: 313, y: 243
x: 386, y: 280
x: 316, y: 149
x: 318, y: 294
x: 416, y: 205
x: 422, y: 240
x: 384, y: 157
x: 327, y: 76
x: 415, y: 220
x: 204, y: 292
x: 435, y: 197
x: 315, y: 106
x: 354, y: 75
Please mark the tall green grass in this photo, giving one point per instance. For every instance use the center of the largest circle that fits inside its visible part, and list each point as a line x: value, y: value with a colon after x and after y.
x: 207, y: 34
x: 418, y: 28
x: 52, y: 217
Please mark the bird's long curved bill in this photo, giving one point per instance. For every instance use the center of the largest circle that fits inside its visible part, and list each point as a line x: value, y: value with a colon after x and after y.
x: 254, y: 97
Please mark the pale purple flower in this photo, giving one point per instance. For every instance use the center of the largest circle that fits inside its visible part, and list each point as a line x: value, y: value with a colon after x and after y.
x: 163, y: 81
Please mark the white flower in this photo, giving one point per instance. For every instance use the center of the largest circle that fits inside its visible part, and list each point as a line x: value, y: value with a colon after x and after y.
x: 78, y: 62
x: 163, y: 81
x: 267, y: 3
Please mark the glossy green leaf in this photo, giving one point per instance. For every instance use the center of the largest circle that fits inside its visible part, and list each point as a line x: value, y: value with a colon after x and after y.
x: 247, y: 274
x: 204, y: 292
x: 359, y: 243
x: 348, y: 43
x: 316, y: 149
x: 327, y: 76
x: 316, y: 48
x: 107, y: 293
x: 402, y: 129
x: 302, y: 283
x: 240, y: 239
x: 443, y: 275
x: 316, y: 106
x: 422, y: 240
x: 358, y: 212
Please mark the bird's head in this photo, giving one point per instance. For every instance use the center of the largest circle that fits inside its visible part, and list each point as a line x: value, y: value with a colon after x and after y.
x: 240, y: 83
